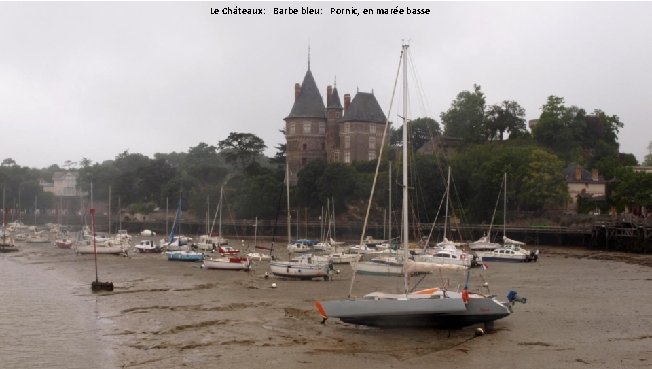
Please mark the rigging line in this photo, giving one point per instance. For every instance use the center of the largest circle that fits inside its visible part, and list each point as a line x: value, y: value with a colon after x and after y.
x: 432, y: 228
x: 419, y: 88
x: 380, y: 155
x: 495, y: 208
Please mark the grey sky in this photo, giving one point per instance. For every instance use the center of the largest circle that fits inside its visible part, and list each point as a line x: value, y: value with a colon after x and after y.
x: 89, y: 79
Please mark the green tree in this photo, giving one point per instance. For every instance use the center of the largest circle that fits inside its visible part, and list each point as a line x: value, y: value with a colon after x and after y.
x: 421, y: 131
x: 465, y: 117
x: 544, y: 183
x: 633, y: 188
x: 8, y: 162
x: 241, y: 148
x: 508, y: 116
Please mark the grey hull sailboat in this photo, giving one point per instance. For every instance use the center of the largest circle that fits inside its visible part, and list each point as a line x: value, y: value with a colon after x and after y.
x: 433, y: 307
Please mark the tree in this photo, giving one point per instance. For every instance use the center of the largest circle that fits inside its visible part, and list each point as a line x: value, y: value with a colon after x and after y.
x: 421, y: 131
x: 241, y: 148
x: 8, y: 162
x: 633, y: 188
x: 576, y: 136
x: 465, y: 117
x: 544, y: 183
x: 509, y: 116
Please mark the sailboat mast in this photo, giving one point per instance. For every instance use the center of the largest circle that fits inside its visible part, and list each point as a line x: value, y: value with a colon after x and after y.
x: 219, y: 226
x: 505, y: 205
x: 389, y: 217
x: 405, y: 169
x: 448, y: 186
x: 109, y: 209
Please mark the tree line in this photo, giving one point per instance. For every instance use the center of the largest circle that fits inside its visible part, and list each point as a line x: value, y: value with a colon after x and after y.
x: 493, y: 139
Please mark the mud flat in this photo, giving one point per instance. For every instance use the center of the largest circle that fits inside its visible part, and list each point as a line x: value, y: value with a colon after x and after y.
x: 585, y: 309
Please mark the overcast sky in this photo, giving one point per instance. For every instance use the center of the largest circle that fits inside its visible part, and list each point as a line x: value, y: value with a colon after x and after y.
x: 89, y: 79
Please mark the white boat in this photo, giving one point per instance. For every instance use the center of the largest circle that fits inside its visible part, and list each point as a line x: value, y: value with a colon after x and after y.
x: 6, y: 241
x: 303, y: 267
x: 431, y: 307
x: 483, y: 244
x: 148, y: 246
x: 259, y: 256
x: 147, y: 233
x: 504, y: 254
x: 508, y: 242
x: 385, y: 266
x: 447, y: 257
x: 342, y: 258
x: 227, y: 263
x: 298, y: 247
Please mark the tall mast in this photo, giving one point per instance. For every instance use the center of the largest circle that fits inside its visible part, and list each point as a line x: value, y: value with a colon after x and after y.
x: 167, y: 205
x: 448, y: 185
x: 219, y: 226
x: 109, y: 209
x: 505, y: 206
x: 405, y: 169
x: 389, y: 217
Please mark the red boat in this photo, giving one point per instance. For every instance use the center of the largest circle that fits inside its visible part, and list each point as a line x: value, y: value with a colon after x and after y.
x: 227, y: 250
x: 63, y: 244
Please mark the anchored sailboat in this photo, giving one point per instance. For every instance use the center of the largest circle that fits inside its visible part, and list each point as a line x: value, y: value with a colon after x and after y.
x: 432, y: 307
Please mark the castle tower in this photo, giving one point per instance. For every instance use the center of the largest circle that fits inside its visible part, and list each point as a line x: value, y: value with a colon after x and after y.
x: 361, y: 128
x: 305, y: 127
x: 333, y: 114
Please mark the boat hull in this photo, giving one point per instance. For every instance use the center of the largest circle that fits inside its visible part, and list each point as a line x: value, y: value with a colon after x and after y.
x: 443, y: 313
x: 300, y: 270
x: 227, y: 264
x: 184, y: 256
x: 88, y: 249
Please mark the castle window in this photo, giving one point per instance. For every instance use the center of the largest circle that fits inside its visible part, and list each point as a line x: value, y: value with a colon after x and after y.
x: 307, y: 127
x: 347, y: 142
x: 372, y: 155
x: 323, y: 146
x: 322, y: 128
x: 372, y: 129
x: 347, y: 127
x: 305, y: 147
x: 372, y: 143
x: 336, y: 155
x: 292, y: 128
x: 303, y: 161
x: 347, y: 157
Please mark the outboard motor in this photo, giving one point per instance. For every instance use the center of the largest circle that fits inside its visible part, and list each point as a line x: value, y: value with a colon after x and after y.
x: 513, y: 297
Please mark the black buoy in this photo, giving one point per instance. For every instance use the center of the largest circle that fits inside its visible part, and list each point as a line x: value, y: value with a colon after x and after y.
x: 102, y: 286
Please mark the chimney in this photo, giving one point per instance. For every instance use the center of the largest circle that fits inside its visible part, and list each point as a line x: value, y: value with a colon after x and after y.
x: 347, y: 102
x: 578, y: 173
x: 329, y: 92
x: 594, y: 175
x: 297, y: 91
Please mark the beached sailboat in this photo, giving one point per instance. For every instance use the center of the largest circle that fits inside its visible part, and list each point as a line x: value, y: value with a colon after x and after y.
x: 177, y: 249
x: 302, y: 268
x: 432, y: 307
x: 258, y: 256
x: 6, y: 241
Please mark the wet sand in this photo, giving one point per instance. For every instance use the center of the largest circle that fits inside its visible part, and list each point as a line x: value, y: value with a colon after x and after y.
x: 585, y: 309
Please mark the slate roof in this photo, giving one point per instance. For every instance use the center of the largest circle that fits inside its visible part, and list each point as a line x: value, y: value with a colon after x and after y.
x: 309, y: 103
x: 364, y: 108
x: 335, y: 100
x: 569, y: 174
